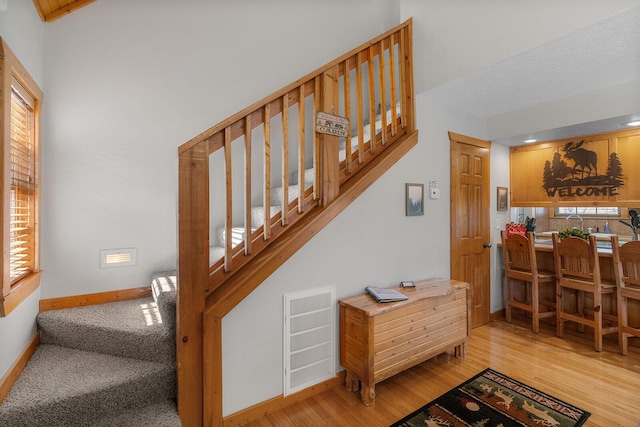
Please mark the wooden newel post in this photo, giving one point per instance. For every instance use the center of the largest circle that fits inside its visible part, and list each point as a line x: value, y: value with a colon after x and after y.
x: 329, y: 160
x: 193, y: 267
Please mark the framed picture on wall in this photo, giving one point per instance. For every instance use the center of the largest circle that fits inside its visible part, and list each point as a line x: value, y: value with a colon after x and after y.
x: 502, y: 198
x: 414, y: 195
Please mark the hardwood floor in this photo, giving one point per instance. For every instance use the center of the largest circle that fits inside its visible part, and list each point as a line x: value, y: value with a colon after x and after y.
x: 606, y: 384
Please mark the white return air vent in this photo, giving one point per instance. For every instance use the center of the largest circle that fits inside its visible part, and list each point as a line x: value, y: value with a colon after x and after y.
x: 111, y: 258
x: 309, y: 338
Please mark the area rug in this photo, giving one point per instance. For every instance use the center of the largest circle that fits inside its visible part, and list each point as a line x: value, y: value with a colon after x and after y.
x: 491, y: 399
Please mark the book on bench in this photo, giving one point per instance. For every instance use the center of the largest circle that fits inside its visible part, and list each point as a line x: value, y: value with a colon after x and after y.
x: 385, y: 295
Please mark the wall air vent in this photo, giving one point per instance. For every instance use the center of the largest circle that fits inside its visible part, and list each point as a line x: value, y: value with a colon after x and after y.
x: 309, y: 338
x: 111, y: 258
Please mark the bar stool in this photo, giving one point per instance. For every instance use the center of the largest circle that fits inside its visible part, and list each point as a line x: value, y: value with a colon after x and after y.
x: 578, y: 270
x: 626, y: 264
x: 521, y: 268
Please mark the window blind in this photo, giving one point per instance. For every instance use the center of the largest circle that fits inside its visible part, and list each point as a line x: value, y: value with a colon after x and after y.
x: 588, y: 211
x: 22, y: 182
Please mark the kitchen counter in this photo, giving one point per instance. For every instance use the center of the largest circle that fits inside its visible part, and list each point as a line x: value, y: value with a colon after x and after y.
x: 603, y: 240
x: 544, y: 257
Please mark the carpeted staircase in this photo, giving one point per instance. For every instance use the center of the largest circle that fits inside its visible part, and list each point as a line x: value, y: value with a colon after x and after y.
x: 217, y: 249
x: 102, y: 365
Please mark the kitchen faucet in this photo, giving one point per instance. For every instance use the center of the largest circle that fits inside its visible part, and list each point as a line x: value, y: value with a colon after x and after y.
x: 580, y: 218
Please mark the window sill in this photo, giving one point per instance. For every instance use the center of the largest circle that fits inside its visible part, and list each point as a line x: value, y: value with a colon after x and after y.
x: 19, y: 292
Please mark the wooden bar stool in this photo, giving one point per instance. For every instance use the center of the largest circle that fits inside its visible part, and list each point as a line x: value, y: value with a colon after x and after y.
x: 521, y: 269
x: 578, y: 271
x: 626, y: 264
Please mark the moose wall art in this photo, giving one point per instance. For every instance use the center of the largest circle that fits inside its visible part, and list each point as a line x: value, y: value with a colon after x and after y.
x: 590, y: 170
x: 573, y: 172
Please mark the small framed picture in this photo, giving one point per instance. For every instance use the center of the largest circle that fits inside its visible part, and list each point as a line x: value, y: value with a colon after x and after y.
x: 414, y: 199
x: 502, y: 198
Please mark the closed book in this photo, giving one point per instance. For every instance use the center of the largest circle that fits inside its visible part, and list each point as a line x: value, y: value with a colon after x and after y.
x: 385, y: 295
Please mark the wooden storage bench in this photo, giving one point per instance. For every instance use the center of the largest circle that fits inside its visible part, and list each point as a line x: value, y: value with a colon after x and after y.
x: 378, y: 340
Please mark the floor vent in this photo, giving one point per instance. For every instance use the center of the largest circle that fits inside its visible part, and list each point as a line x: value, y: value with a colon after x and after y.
x: 309, y: 338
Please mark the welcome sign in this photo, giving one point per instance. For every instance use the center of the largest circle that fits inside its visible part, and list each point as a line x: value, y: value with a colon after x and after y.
x: 589, y: 170
x: 573, y: 172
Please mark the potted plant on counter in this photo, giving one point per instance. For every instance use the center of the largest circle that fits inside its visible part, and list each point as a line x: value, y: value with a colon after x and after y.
x: 573, y: 232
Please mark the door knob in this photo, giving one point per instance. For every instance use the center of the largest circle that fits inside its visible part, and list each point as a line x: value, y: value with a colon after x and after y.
x: 486, y: 245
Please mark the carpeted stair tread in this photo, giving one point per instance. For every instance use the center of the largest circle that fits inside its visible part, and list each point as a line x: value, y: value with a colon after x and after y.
x: 63, y: 387
x: 164, y: 286
x: 131, y: 328
x: 162, y: 414
x: 258, y: 213
x: 277, y: 195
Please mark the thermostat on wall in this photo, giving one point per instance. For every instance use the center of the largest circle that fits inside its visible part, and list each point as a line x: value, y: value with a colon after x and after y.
x: 434, y: 189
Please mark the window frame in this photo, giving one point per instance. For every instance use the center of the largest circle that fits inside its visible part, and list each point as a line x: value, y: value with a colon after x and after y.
x: 555, y: 213
x: 12, y: 294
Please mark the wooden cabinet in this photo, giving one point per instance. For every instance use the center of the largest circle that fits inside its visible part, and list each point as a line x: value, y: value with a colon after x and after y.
x: 378, y: 340
x: 591, y: 170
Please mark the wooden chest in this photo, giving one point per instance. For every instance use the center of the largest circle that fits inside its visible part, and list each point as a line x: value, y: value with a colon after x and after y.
x: 378, y: 340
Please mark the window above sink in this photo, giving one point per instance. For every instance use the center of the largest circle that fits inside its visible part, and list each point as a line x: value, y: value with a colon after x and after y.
x: 590, y: 211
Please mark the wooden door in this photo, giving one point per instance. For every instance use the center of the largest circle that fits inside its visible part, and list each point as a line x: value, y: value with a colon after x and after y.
x: 470, y: 228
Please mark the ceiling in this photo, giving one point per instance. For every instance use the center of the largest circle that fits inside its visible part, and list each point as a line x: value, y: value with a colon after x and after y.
x: 601, y: 55
x: 50, y: 10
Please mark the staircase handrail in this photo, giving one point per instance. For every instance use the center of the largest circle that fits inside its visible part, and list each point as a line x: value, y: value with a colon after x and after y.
x: 383, y: 112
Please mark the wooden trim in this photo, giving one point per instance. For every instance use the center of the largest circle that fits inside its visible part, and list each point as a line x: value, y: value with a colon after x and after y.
x: 304, y: 80
x: 228, y: 222
x: 19, y: 292
x: 19, y: 71
x: 193, y: 268
x: 259, y: 410
x: 199, y: 336
x: 329, y: 166
x: 266, y: 196
x: 500, y: 314
x: 301, y: 148
x: 93, y: 299
x: 383, y: 93
x: 248, y: 242
x: 18, y: 366
x: 392, y: 79
x: 405, y: 50
x: 469, y: 140
x: 360, y: 107
x: 50, y: 14
x: 372, y: 99
x: 347, y: 113
x: 11, y: 68
x: 212, y: 371
x: 230, y: 293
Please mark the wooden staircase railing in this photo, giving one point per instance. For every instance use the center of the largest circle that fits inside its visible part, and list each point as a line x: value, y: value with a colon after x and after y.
x: 227, y: 184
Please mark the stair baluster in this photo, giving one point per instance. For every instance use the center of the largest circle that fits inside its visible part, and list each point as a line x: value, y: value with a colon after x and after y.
x: 326, y: 169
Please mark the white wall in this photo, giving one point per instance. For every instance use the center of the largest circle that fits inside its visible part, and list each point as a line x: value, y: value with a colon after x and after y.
x: 498, y: 221
x: 459, y: 37
x: 371, y: 243
x: 598, y: 104
x: 22, y: 30
x: 128, y: 82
